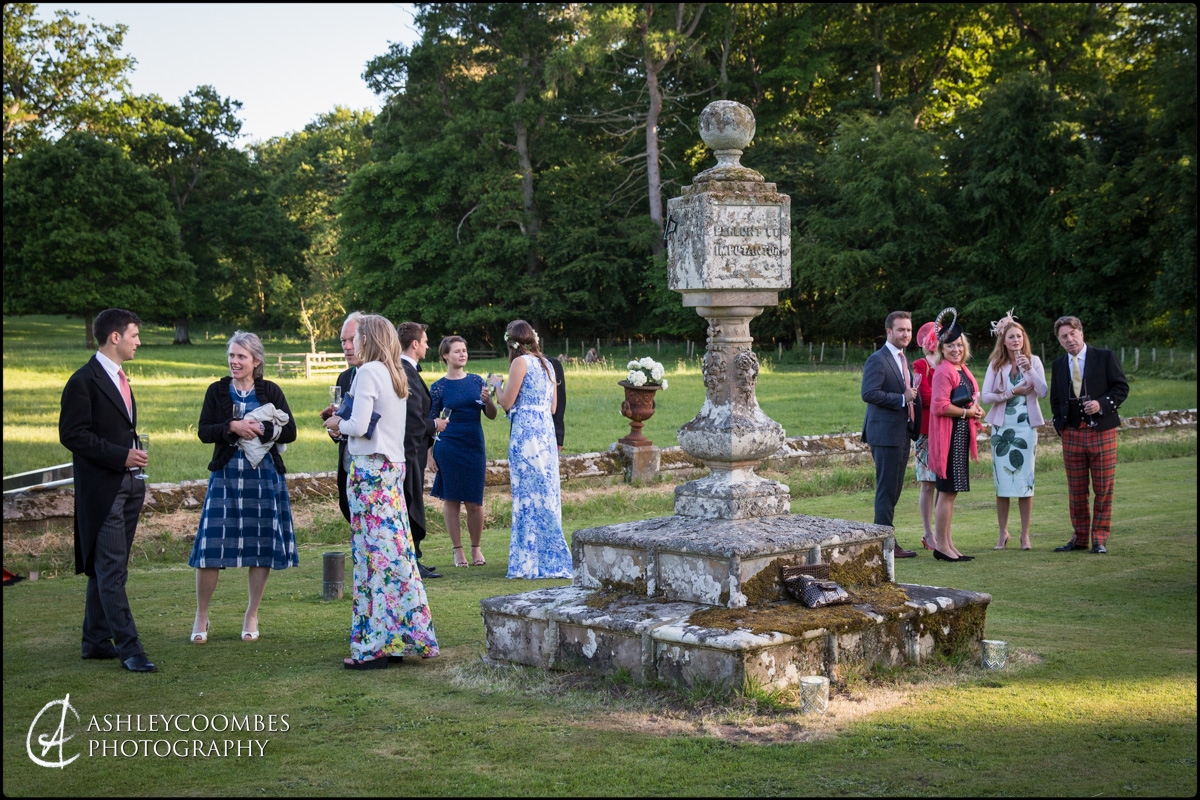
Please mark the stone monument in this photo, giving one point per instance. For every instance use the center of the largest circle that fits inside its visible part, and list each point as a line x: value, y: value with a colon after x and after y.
x: 729, y: 253
x: 699, y: 596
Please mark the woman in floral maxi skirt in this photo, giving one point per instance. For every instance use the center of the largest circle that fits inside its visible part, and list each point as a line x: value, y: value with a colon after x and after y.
x: 391, y: 616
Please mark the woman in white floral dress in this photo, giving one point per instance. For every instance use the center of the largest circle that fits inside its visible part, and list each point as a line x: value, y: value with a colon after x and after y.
x: 537, y: 548
x: 1015, y: 380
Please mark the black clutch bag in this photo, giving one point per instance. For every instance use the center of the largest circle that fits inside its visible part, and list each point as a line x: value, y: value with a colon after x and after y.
x: 962, y: 396
x: 814, y: 591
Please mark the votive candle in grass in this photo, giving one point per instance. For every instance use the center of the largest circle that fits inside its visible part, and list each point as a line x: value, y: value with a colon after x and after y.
x: 814, y: 694
x: 994, y: 653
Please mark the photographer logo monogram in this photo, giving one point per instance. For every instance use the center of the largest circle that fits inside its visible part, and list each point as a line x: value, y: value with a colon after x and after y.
x: 148, y: 735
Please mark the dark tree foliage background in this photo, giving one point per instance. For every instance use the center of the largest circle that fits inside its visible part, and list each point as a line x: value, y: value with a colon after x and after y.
x: 1040, y: 156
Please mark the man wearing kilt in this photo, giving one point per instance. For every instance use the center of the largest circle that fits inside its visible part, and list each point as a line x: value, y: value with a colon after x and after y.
x: 1087, y: 387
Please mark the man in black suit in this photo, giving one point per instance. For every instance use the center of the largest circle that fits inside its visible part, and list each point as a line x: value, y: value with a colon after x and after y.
x: 98, y: 424
x: 418, y: 433
x: 1087, y: 386
x: 891, y: 402
x: 353, y: 362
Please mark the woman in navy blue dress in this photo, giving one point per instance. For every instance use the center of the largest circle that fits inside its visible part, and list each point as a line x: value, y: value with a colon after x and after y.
x: 459, y: 451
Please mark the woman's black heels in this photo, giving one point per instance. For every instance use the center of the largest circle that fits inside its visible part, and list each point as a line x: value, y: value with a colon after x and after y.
x: 940, y: 556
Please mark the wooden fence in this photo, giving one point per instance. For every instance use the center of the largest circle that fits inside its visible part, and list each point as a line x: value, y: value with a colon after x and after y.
x: 309, y: 364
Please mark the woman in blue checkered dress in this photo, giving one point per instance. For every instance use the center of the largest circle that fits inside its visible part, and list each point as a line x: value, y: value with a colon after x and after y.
x: 247, y: 517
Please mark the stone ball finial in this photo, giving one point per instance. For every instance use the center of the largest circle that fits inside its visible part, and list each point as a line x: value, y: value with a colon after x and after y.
x: 727, y: 125
x: 728, y: 128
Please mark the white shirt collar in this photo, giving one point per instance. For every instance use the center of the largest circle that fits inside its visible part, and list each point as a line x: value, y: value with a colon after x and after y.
x: 1081, y: 356
x: 110, y: 366
x: 409, y: 359
x: 896, y: 351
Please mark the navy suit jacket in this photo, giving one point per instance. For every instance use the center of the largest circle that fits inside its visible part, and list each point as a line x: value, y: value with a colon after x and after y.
x: 886, y: 421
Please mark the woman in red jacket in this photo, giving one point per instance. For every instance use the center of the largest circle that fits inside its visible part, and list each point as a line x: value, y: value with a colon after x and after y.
x: 924, y: 367
x: 952, y: 431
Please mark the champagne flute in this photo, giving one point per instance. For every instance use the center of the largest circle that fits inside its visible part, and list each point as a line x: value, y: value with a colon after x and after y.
x: 479, y: 402
x: 144, y: 446
x: 444, y: 415
x: 335, y: 396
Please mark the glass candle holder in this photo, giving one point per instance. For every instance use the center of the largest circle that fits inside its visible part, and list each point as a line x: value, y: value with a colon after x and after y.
x: 994, y: 653
x: 814, y: 694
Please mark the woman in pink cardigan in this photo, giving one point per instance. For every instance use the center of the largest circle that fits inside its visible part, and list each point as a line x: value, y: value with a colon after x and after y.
x: 1015, y: 380
x: 952, y: 430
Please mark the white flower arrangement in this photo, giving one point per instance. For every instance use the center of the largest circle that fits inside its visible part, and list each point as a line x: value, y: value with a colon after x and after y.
x: 646, y: 371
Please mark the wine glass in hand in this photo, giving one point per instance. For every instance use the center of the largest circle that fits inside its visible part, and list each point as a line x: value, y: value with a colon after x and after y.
x: 446, y: 416
x: 144, y: 446
x: 1084, y: 399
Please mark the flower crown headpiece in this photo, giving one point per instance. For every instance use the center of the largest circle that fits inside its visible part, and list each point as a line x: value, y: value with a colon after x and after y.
x: 1001, y: 325
x: 508, y: 340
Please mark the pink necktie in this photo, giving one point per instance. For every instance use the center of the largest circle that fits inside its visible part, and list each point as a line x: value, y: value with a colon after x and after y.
x: 125, y: 393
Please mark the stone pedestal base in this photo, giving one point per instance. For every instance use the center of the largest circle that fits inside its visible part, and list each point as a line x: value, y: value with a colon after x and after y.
x: 725, y: 562
x: 735, y: 494
x: 685, y: 600
x: 641, y: 463
x: 576, y: 629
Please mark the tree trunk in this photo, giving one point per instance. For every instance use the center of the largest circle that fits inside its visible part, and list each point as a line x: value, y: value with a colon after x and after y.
x: 181, y: 331
x: 653, y: 175
x: 89, y: 338
x: 529, y: 208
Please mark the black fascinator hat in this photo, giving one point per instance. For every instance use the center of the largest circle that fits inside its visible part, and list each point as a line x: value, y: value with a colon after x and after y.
x: 948, y: 332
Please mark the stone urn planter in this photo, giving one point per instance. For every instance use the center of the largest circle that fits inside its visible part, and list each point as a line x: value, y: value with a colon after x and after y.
x: 638, y: 407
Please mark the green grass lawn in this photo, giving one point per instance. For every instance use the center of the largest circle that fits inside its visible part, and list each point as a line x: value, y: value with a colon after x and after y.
x: 41, y: 352
x: 1099, y: 698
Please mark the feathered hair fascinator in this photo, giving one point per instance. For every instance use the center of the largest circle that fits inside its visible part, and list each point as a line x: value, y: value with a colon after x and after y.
x: 1001, y: 325
x: 927, y: 336
x: 948, y: 332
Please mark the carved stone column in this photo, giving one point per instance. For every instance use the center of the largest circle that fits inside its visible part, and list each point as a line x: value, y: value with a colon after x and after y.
x: 729, y: 254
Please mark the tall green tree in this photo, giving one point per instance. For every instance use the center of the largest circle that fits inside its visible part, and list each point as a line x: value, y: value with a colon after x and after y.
x: 882, y: 237
x: 58, y: 75
x: 308, y: 172
x: 481, y: 204
x: 246, y: 251
x: 85, y: 228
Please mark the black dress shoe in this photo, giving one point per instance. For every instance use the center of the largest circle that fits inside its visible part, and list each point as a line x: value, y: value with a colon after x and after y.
x: 426, y: 572
x: 966, y: 558
x: 900, y: 552
x: 1100, y: 549
x: 940, y: 556
x: 104, y: 651
x: 1069, y: 546
x: 139, y: 663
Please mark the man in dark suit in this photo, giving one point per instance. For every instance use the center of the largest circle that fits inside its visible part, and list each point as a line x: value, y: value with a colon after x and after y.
x: 1087, y: 386
x: 891, y: 402
x: 419, y: 430
x: 98, y: 424
x: 353, y: 362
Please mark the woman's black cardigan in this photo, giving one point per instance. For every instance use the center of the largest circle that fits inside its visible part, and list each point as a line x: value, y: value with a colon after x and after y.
x: 217, y: 413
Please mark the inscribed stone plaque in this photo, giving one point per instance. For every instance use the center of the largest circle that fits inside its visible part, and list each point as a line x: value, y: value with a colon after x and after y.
x: 740, y: 245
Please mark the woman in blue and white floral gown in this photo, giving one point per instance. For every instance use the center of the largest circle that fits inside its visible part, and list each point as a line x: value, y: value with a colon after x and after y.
x: 538, y: 548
